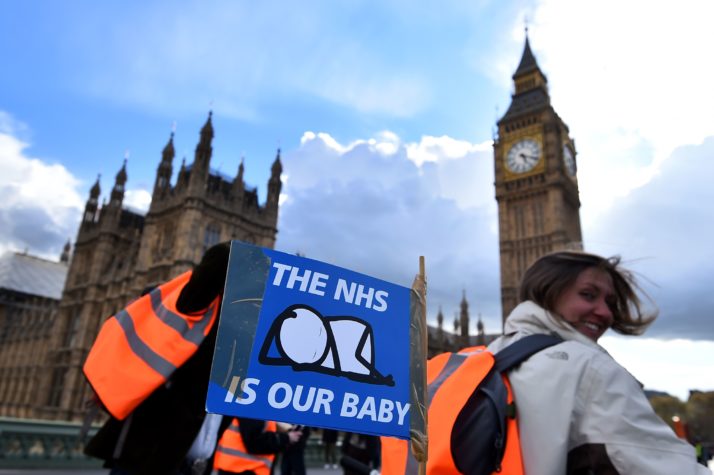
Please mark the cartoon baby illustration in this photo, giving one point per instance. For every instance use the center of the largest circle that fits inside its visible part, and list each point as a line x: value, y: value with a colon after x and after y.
x: 341, y: 346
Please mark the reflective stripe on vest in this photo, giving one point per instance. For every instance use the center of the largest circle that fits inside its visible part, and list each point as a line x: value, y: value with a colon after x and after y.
x: 451, y: 379
x: 140, y: 347
x: 232, y: 455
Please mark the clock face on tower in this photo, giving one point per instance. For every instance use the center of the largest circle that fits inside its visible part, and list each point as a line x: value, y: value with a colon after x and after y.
x: 523, y: 156
x: 569, y: 160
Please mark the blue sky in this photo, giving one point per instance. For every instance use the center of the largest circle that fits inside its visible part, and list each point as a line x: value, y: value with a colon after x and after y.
x: 384, y: 112
x: 123, y: 72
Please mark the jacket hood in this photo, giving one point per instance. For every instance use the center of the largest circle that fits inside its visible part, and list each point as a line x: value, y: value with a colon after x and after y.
x: 529, y: 318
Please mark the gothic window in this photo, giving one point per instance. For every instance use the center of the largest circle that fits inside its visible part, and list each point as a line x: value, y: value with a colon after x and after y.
x: 167, y: 241
x: 55, y: 396
x: 538, y: 218
x: 520, y: 264
x: 82, y: 268
x: 164, y: 243
x: 194, y: 235
x: 70, y: 331
x: 157, y: 245
x: 211, y: 237
x: 109, y: 264
x: 6, y: 327
x: 520, y: 221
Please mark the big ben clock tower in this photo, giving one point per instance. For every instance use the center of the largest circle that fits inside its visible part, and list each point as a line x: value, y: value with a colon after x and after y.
x: 536, y: 180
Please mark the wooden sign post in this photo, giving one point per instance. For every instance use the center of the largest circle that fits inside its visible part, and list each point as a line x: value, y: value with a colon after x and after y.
x: 419, y: 349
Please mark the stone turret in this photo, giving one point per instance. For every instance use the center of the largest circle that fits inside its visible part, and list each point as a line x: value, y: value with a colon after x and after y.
x: 239, y: 184
x: 117, y: 196
x: 464, y: 317
x: 90, y: 209
x: 182, y: 179
x: 274, y: 185
x: 480, y: 332
x: 202, y: 159
x: 163, y: 173
x: 64, y: 257
x: 528, y: 75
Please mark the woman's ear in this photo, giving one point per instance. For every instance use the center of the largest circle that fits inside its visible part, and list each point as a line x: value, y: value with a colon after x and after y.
x: 207, y: 280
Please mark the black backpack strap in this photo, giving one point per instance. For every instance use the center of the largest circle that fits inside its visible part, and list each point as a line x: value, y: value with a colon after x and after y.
x: 520, y: 350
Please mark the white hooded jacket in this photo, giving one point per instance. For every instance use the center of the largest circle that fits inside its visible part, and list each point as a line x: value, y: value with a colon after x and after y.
x: 581, y: 412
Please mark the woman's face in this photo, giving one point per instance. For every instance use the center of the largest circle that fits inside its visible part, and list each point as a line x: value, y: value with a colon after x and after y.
x: 586, y: 303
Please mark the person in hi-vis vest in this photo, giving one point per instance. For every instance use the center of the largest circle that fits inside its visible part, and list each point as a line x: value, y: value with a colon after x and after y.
x: 577, y: 411
x: 249, y: 446
x: 150, y: 367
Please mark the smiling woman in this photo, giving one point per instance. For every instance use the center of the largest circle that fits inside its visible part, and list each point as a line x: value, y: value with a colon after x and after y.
x: 589, y: 292
x: 595, y: 413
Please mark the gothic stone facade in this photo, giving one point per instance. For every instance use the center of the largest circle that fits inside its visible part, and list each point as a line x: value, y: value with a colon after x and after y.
x: 536, y: 180
x: 118, y: 253
x: 440, y: 340
x: 30, y: 290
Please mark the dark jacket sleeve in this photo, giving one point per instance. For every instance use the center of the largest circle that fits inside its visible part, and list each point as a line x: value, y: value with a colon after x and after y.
x: 258, y: 441
x: 162, y: 428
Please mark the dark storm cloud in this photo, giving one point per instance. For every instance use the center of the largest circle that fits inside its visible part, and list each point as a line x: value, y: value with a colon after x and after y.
x: 32, y: 228
x: 377, y: 214
x: 47, y: 236
x: 665, y: 230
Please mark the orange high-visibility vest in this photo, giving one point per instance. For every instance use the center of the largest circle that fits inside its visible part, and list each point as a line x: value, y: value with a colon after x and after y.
x: 232, y: 456
x: 680, y: 428
x: 140, y: 347
x: 451, y: 379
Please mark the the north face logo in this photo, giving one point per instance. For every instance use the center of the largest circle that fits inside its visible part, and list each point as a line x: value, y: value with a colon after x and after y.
x: 557, y: 355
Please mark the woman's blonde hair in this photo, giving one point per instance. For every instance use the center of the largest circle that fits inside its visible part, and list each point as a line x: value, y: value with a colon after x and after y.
x: 546, y: 280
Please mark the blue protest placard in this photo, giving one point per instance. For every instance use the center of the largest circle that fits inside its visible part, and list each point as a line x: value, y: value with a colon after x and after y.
x: 306, y: 342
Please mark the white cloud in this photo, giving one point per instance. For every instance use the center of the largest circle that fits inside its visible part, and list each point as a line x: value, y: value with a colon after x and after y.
x: 648, y: 77
x: 432, y: 149
x: 631, y: 79
x: 352, y: 206
x: 369, y: 207
x: 386, y: 143
x: 355, y: 206
x: 457, y: 168
x: 139, y: 199
x: 11, y: 126
x: 39, y: 203
x: 673, y: 366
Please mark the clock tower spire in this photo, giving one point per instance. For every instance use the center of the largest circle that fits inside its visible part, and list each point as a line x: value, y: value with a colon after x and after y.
x: 536, y: 182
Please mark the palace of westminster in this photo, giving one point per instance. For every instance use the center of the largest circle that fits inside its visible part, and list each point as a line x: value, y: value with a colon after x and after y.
x: 50, y: 312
